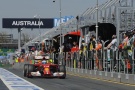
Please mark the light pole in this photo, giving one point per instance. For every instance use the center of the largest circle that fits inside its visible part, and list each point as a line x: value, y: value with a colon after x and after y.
x: 97, y: 22
x: 19, y: 38
x: 60, y: 24
x: 39, y: 28
x: 97, y: 26
x: 11, y: 36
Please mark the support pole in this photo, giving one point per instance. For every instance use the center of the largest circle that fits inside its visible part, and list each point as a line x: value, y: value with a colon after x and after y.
x: 60, y: 27
x: 40, y: 35
x: 19, y: 39
x: 118, y: 25
x: 97, y: 22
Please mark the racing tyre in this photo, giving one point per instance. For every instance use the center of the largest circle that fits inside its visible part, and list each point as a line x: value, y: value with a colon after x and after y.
x: 62, y: 68
x: 25, y: 70
x: 30, y: 69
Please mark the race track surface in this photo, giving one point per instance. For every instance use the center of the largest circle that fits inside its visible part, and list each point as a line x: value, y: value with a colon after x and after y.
x: 2, y: 86
x: 72, y: 83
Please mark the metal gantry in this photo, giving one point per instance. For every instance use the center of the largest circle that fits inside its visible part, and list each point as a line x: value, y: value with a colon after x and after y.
x: 120, y: 13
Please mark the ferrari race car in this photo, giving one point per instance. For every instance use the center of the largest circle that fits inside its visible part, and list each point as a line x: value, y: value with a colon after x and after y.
x: 43, y: 68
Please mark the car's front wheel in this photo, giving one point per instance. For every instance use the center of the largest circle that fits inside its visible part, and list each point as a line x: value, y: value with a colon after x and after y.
x: 25, y: 70
x: 62, y: 68
x: 31, y: 68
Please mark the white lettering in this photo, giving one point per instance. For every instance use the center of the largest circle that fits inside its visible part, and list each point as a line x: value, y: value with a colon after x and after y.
x: 67, y: 19
x: 63, y: 20
x: 34, y: 23
x: 56, y: 22
x: 24, y: 22
x: 28, y: 23
x: 14, y: 23
x: 21, y: 23
x: 41, y: 23
x: 38, y: 23
x: 17, y: 23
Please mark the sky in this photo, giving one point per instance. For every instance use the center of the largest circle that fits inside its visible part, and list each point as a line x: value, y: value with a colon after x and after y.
x: 44, y: 8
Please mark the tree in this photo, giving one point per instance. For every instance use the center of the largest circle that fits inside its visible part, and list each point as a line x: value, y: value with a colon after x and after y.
x: 4, y: 37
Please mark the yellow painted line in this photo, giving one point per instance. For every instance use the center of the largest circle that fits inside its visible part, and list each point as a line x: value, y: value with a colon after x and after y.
x: 101, y: 79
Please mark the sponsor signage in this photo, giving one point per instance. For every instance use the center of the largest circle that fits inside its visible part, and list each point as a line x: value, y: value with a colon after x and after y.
x: 63, y: 20
x: 33, y: 22
x: 27, y: 23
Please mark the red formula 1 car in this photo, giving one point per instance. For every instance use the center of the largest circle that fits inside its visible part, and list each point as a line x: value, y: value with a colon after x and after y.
x: 43, y: 68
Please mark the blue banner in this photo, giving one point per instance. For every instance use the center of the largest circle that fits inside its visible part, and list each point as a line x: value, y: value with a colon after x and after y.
x: 63, y: 20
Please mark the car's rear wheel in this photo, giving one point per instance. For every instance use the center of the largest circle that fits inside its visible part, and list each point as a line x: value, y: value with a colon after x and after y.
x: 62, y: 68
x: 25, y: 70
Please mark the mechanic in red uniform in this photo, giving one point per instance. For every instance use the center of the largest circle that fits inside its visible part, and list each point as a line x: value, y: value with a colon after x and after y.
x: 75, y: 47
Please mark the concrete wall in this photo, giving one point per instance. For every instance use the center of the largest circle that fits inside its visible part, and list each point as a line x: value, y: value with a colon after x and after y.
x: 110, y: 76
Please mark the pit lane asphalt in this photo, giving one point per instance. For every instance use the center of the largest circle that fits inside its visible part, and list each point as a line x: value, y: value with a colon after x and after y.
x: 72, y: 83
x: 3, y: 86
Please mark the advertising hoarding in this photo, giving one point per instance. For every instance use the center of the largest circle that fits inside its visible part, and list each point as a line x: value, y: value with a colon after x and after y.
x: 27, y: 23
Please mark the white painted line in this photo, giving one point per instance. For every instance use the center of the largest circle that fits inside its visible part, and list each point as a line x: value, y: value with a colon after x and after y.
x: 14, y: 82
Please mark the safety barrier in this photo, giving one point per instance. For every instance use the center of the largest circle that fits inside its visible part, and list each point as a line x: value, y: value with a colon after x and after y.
x: 109, y: 60
x: 107, y: 64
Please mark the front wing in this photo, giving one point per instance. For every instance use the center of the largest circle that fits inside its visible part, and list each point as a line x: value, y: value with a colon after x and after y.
x: 56, y: 74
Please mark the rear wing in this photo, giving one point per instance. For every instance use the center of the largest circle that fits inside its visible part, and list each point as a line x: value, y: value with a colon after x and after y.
x: 42, y: 57
x: 38, y: 57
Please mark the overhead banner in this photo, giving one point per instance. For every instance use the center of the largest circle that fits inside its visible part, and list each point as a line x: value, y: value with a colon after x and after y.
x: 63, y: 20
x: 28, y: 22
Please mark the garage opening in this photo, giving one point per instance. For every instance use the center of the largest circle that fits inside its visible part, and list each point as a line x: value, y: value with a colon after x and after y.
x: 105, y: 30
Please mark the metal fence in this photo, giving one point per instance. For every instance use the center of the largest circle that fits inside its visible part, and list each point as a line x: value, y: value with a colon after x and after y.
x: 104, y: 60
x: 107, y: 64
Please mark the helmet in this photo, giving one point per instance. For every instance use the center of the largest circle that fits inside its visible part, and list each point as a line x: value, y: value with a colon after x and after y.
x: 43, y: 62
